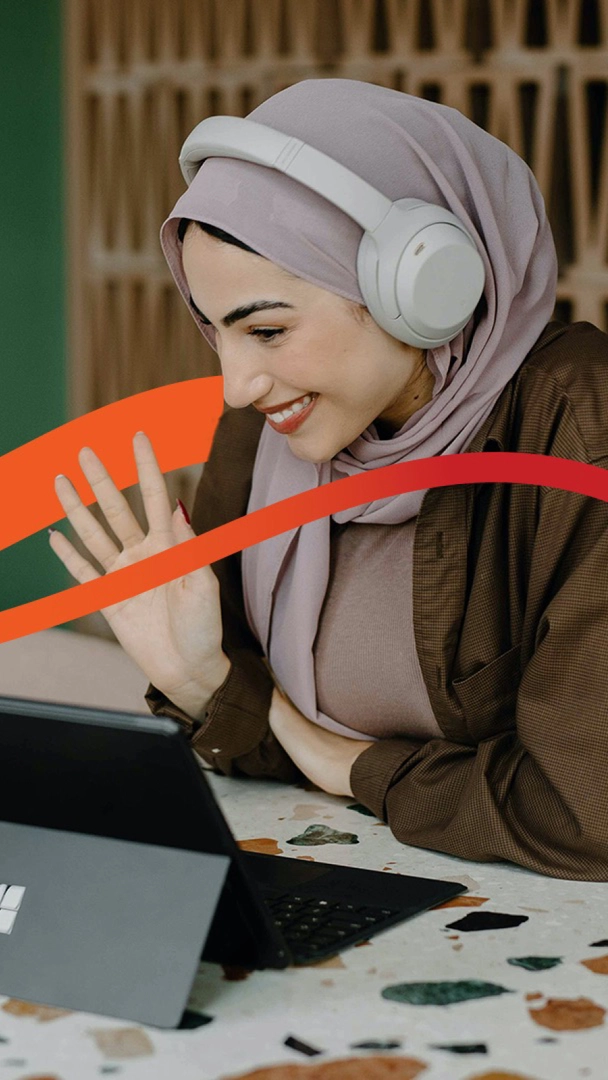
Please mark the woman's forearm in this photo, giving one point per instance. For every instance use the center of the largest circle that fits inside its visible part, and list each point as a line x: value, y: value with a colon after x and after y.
x: 324, y: 757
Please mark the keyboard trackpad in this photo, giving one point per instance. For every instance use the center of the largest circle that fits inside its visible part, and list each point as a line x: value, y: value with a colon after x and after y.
x: 272, y: 872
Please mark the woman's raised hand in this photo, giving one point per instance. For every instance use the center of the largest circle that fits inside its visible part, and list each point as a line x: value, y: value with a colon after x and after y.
x: 172, y: 632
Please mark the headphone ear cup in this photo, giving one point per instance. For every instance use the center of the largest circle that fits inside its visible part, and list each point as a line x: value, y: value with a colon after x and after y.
x: 440, y: 279
x: 420, y: 274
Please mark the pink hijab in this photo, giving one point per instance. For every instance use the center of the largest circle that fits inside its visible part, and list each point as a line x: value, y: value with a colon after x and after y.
x: 406, y: 147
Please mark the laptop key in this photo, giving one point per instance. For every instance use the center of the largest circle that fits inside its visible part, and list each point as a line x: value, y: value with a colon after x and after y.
x: 352, y: 925
x: 378, y: 913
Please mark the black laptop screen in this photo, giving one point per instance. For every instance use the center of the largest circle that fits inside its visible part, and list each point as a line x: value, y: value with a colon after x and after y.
x: 101, y: 772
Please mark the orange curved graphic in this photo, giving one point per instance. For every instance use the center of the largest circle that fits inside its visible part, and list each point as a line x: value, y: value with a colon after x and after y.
x: 180, y: 419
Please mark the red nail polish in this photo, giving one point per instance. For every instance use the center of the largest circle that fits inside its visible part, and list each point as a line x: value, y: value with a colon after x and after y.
x: 184, y: 511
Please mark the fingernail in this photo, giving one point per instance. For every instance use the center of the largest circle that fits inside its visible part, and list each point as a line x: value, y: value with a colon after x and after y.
x: 184, y: 511
x: 51, y: 531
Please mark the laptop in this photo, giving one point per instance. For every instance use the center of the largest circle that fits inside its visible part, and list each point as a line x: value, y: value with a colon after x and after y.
x: 118, y: 871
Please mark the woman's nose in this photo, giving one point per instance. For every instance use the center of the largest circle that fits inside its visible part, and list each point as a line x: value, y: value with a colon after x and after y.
x: 245, y: 380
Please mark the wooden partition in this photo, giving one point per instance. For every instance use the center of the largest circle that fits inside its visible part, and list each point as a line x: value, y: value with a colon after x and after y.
x: 141, y: 73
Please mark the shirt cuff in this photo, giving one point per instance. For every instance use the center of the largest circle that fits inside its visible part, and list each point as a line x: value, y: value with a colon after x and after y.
x: 160, y: 705
x: 236, y: 716
x: 373, y: 772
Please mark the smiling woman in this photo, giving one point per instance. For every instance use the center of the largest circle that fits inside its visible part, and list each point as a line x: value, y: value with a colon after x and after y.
x: 437, y: 654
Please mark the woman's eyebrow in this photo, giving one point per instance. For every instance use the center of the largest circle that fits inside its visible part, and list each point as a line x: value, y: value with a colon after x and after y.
x: 242, y: 312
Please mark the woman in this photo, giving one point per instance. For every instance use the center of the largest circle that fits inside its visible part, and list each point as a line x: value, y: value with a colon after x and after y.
x: 439, y: 655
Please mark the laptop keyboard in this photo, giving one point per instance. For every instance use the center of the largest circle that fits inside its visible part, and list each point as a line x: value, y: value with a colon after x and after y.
x: 314, y: 928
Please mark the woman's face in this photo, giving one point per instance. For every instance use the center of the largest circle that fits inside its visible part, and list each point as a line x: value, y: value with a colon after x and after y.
x: 307, y: 341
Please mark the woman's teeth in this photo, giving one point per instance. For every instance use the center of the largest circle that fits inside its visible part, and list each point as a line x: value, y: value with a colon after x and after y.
x: 297, y: 407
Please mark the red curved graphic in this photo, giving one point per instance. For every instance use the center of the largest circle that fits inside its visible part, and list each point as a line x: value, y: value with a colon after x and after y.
x: 343, y: 494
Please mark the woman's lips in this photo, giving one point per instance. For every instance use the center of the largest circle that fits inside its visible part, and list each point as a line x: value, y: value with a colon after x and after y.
x: 286, y: 427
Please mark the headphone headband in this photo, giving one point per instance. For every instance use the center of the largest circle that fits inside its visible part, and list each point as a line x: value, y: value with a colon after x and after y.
x: 231, y: 136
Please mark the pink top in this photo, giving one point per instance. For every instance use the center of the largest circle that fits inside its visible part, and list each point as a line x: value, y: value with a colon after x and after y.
x: 367, y: 673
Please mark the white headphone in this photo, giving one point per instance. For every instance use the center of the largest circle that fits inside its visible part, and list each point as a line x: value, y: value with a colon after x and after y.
x: 419, y: 271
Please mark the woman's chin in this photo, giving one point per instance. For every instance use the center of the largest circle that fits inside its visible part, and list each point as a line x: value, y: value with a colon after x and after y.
x: 315, y: 451
x: 306, y: 455
x: 311, y: 450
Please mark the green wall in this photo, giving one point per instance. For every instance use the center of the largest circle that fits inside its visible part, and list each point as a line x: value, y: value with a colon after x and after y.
x: 32, y: 308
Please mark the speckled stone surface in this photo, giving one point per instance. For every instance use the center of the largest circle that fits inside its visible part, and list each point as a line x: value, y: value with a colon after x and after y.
x: 550, y: 1025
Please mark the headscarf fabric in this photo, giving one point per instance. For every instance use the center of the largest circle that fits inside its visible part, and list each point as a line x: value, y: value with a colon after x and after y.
x: 406, y: 147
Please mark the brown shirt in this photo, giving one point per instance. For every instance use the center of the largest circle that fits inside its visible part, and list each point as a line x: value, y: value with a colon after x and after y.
x: 510, y: 611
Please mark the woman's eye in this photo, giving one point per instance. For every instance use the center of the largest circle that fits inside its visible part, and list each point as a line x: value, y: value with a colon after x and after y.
x: 265, y: 332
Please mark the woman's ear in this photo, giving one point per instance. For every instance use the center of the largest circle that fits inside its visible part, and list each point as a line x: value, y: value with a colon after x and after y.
x: 360, y: 313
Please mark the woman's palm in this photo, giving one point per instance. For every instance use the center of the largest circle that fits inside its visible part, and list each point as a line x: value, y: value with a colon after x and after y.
x: 174, y: 631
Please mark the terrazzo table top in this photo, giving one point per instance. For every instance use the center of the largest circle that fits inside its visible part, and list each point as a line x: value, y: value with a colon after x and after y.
x: 508, y: 981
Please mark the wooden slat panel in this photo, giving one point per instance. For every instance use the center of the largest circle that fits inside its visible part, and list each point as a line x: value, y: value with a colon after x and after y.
x: 141, y: 73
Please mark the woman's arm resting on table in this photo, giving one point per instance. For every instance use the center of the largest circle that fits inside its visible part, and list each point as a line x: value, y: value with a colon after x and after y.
x: 536, y: 792
x: 324, y: 757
